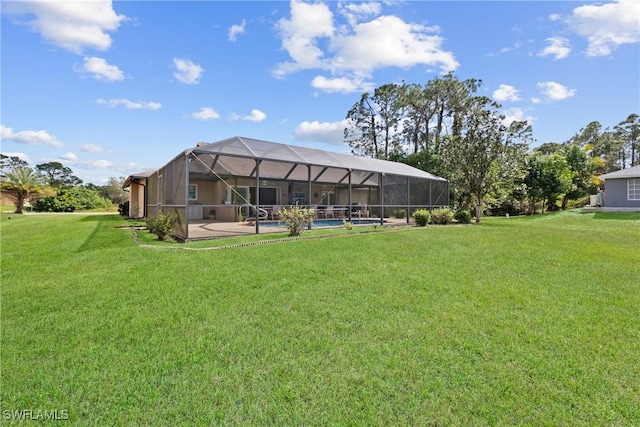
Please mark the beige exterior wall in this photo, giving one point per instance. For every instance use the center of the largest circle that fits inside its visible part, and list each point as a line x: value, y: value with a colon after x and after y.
x: 6, y: 200
x: 136, y: 198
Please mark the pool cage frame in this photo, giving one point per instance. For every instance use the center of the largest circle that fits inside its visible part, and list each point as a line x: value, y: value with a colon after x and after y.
x: 229, y: 176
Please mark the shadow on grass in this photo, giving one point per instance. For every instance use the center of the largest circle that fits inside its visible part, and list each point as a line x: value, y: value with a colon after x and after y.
x: 626, y: 216
x: 101, y: 237
x: 100, y: 217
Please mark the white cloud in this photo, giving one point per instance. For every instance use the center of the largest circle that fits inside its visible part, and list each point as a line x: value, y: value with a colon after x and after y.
x: 186, y: 71
x: 5, y: 132
x: 554, y: 17
x: 130, y: 105
x: 71, y: 25
x: 607, y: 26
x: 91, y: 164
x: 357, y: 12
x: 506, y: 93
x: 30, y: 137
x: 73, y: 161
x: 516, y: 114
x: 19, y: 155
x: 340, y: 84
x: 559, y: 47
x: 355, y: 50
x: 555, y: 91
x: 101, y: 70
x: 388, y: 41
x: 92, y: 148
x: 255, y: 116
x: 327, y: 132
x: 516, y: 46
x: 205, y: 113
x: 536, y: 100
x: 236, y: 30
x: 308, y: 22
x: 69, y: 156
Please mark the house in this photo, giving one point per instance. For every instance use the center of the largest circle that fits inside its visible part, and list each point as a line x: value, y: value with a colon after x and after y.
x: 137, y: 185
x: 229, y: 180
x: 622, y: 189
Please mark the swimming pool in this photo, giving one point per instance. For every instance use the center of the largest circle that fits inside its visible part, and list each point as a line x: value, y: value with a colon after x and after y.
x: 324, y: 222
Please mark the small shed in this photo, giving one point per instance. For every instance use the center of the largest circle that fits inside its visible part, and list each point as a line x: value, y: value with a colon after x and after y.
x: 622, y: 188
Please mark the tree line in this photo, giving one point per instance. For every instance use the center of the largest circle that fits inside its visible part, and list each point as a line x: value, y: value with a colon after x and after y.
x: 52, y: 187
x: 445, y: 127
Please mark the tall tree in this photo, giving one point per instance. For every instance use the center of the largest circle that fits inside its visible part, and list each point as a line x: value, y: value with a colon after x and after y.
x: 9, y: 163
x: 362, y: 131
x: 419, y: 107
x: 603, y: 144
x: 582, y: 168
x: 629, y: 131
x: 387, y: 100
x: 113, y: 190
x: 20, y: 184
x: 452, y: 99
x: 548, y: 148
x: 548, y: 176
x: 57, y: 175
x: 478, y: 157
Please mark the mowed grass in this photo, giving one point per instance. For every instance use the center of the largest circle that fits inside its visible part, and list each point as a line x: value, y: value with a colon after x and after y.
x: 520, y: 321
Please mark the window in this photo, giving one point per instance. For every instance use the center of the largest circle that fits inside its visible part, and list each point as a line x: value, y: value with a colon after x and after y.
x: 268, y: 196
x: 633, y: 189
x: 299, y: 199
x: 193, y: 192
x: 226, y: 197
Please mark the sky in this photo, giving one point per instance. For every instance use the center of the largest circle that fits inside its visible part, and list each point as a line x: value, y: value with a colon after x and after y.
x: 111, y: 89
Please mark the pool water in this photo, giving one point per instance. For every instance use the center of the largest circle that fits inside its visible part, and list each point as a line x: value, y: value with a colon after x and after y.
x: 325, y: 222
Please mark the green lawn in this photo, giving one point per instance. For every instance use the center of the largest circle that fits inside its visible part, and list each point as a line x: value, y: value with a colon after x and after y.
x: 520, y: 321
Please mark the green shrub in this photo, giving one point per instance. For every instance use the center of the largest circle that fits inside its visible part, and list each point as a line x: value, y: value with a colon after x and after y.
x: 161, y: 225
x: 400, y: 213
x: 442, y: 216
x: 421, y: 217
x: 348, y: 225
x: 72, y: 199
x: 296, y: 218
x: 463, y: 217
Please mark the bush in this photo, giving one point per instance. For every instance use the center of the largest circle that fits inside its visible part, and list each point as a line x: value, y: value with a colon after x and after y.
x: 421, y: 217
x: 500, y: 207
x: 400, y: 213
x: 348, y: 225
x: 72, y: 199
x: 57, y: 203
x: 442, y: 216
x: 463, y: 217
x: 161, y: 225
x: 123, y: 208
x: 296, y: 218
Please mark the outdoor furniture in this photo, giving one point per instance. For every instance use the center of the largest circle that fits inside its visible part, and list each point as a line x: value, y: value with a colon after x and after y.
x: 274, y: 211
x: 262, y: 214
x: 329, y: 212
x: 358, y: 210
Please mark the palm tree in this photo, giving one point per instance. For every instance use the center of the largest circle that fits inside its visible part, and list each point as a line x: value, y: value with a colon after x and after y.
x: 20, y: 184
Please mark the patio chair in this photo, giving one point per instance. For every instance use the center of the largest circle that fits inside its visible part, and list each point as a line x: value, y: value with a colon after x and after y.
x: 262, y: 214
x: 275, y: 210
x: 329, y: 212
x: 361, y: 210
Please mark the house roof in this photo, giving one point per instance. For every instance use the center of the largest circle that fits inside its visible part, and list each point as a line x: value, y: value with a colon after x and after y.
x: 146, y: 174
x: 632, y: 172
x: 277, y: 154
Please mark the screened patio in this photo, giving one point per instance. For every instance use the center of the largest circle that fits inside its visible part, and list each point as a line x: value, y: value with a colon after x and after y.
x: 239, y: 184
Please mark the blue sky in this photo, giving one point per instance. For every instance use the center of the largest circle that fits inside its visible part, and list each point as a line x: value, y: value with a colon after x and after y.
x: 114, y: 88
